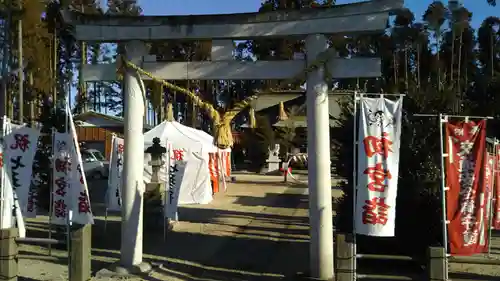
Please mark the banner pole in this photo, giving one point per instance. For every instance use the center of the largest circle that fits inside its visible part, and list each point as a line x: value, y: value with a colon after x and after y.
x: 166, y: 220
x: 165, y: 194
x: 492, y: 196
x: 354, y: 180
x: 110, y: 181
x: 2, y: 183
x: 105, y: 220
x: 443, y: 190
x: 51, y: 195
x: 467, y: 117
x: 69, y: 224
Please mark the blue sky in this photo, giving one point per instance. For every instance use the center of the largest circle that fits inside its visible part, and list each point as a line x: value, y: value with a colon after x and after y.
x: 479, y: 8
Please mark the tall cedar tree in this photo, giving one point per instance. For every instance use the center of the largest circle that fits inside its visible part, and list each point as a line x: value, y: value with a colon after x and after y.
x: 439, y: 75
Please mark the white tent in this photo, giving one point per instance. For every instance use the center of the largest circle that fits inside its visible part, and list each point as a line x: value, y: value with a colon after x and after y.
x: 225, y: 162
x: 207, y: 138
x: 195, y: 187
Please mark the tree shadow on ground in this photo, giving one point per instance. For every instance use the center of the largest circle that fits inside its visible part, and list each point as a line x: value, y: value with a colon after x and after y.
x: 201, y: 215
x: 257, y: 251
x: 280, y: 200
x: 21, y: 278
x: 272, y: 183
x: 472, y: 276
x: 253, y: 249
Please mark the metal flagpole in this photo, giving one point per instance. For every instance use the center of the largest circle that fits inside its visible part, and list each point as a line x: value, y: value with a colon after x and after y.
x: 105, y: 220
x: 3, y: 174
x: 492, y: 198
x: 453, y: 116
x: 51, y: 195
x: 69, y: 223
x: 354, y: 180
x: 443, y: 119
x: 110, y: 177
x: 166, y: 221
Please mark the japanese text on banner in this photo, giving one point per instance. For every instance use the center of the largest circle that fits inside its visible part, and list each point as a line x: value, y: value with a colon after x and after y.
x: 176, y: 168
x: 62, y: 168
x: 70, y: 189
x: 82, y: 213
x: 20, y: 148
x: 378, y: 166
x: 113, y: 195
x: 466, y: 194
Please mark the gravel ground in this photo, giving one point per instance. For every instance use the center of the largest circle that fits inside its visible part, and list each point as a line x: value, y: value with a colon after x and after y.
x: 247, y: 233
x: 476, y: 271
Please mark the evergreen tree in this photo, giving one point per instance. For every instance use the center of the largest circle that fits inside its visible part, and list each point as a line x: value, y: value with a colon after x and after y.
x: 439, y: 75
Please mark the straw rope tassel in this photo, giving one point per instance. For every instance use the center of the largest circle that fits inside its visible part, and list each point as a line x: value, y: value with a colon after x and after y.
x: 282, y: 114
x: 170, y: 112
x: 222, y: 125
x: 251, y: 117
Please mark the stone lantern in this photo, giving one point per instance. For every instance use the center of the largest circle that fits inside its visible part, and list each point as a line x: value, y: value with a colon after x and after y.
x: 155, y: 190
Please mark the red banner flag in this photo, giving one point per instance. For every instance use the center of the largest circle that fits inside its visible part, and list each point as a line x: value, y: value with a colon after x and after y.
x: 466, y: 208
x: 496, y: 210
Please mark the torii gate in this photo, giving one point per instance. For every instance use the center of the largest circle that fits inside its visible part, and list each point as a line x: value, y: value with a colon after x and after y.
x: 309, y: 24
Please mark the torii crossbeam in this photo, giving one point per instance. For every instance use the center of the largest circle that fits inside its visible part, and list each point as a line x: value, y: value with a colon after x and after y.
x: 309, y: 24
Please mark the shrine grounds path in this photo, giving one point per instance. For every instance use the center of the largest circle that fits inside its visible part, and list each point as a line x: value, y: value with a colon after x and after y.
x: 256, y: 230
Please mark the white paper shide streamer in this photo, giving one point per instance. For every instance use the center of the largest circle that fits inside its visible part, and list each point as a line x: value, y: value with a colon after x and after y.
x: 113, y: 194
x: 378, y: 166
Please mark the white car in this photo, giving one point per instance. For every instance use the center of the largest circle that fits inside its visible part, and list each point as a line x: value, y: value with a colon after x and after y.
x: 95, y: 165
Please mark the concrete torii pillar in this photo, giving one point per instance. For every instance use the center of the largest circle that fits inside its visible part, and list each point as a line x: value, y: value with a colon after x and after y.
x: 133, y: 166
x: 318, y: 150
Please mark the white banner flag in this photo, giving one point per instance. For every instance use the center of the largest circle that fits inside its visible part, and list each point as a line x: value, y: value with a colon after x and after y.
x: 70, y: 190
x: 114, y: 193
x: 175, y: 174
x: 20, y: 147
x: 62, y: 177
x: 69, y: 185
x: 13, y: 168
x: 7, y: 194
x: 82, y: 212
x: 378, y: 166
